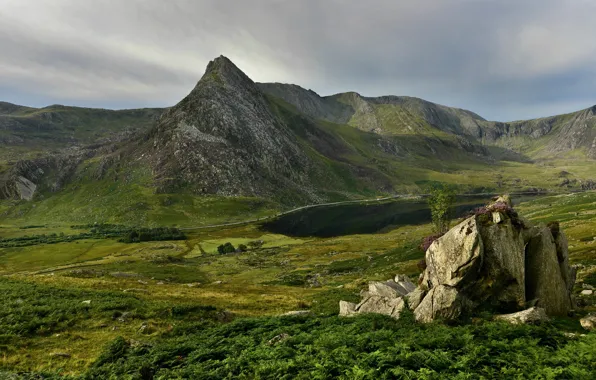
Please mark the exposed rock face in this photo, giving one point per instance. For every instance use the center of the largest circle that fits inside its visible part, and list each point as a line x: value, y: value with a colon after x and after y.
x: 531, y: 315
x: 455, y: 257
x: 441, y: 302
x: 544, y: 278
x: 495, y: 260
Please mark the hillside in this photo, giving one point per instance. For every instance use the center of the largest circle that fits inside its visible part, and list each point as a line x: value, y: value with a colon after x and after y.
x: 561, y: 135
x: 25, y: 131
x: 264, y: 146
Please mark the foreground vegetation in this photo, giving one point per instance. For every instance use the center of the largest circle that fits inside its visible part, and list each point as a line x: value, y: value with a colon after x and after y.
x: 102, y: 308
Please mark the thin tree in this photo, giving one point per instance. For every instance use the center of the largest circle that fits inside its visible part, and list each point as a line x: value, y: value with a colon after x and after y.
x: 440, y: 201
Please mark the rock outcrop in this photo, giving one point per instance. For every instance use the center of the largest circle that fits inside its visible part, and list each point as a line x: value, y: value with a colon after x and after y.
x: 494, y: 260
x: 381, y: 298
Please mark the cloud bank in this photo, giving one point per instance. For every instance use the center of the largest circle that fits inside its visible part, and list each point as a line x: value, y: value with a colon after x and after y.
x: 503, y: 59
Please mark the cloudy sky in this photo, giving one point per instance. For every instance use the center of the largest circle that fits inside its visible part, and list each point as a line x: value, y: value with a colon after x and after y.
x: 504, y: 59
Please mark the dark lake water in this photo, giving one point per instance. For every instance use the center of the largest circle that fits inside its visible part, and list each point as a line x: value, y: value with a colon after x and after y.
x: 349, y: 219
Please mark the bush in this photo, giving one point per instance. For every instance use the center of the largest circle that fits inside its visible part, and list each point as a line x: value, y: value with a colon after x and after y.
x: 226, y: 248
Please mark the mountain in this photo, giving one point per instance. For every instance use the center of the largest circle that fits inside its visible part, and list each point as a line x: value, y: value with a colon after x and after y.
x: 28, y: 130
x: 232, y: 138
x: 544, y: 137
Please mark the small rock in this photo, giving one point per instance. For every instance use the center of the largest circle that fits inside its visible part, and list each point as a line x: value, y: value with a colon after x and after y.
x: 588, y: 322
x: 135, y: 291
x: 160, y: 283
x: 278, y: 339
x: 587, y: 292
x: 531, y: 315
x: 87, y: 302
x: 142, y: 282
x: 63, y: 355
x: 297, y: 313
x: 587, y: 286
x: 225, y: 316
x: 346, y: 308
x: 498, y: 217
x: 217, y: 282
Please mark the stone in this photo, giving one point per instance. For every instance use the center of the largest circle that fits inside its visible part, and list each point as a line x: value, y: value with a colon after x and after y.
x: 498, y: 217
x: 455, y: 256
x: 86, y: 302
x: 297, y: 313
x: 587, y: 292
x: 346, y: 309
x: 278, y: 339
x: 382, y: 305
x: 543, y: 274
x: 382, y: 289
x: 443, y: 302
x: 531, y: 315
x: 62, y: 355
x: 134, y: 290
x: 589, y: 322
x: 405, y: 282
x: 25, y: 188
x: 503, y: 272
x: 415, y: 298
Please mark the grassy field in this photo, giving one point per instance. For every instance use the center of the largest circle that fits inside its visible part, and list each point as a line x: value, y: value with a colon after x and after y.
x: 99, y: 308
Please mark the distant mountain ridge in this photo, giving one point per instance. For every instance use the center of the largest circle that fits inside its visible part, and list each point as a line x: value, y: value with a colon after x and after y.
x: 232, y: 137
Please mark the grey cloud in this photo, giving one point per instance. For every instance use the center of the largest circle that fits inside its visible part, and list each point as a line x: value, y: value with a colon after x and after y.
x: 502, y: 59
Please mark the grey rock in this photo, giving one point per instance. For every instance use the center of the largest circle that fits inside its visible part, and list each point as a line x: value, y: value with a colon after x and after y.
x: 503, y: 269
x: 587, y: 292
x: 455, y: 256
x: 278, y: 339
x: 588, y: 322
x: 392, y: 307
x: 382, y: 289
x: 531, y: 315
x: 441, y: 302
x: 415, y: 298
x: 62, y: 355
x: 346, y: 308
x: 544, y: 279
x: 297, y: 313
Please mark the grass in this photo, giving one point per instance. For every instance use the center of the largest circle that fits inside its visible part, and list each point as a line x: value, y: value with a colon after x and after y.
x: 287, y: 273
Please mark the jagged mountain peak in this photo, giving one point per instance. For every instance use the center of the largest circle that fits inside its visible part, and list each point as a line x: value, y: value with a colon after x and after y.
x: 222, y: 71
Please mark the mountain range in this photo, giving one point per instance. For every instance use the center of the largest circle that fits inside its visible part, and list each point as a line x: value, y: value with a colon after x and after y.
x: 233, y: 138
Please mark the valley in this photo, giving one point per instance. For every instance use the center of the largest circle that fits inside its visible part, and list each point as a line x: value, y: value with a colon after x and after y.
x: 173, y: 243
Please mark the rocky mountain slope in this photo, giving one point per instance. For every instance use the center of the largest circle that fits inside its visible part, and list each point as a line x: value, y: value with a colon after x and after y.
x: 231, y: 137
x: 25, y: 129
x: 544, y: 137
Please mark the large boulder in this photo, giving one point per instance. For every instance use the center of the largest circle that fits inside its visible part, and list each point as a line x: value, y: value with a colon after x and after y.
x: 503, y: 270
x: 495, y: 260
x: 441, y: 302
x: 544, y: 280
x: 455, y: 257
x: 382, y: 305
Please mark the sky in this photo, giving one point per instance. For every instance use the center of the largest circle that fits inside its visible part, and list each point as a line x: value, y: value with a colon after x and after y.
x: 503, y: 59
